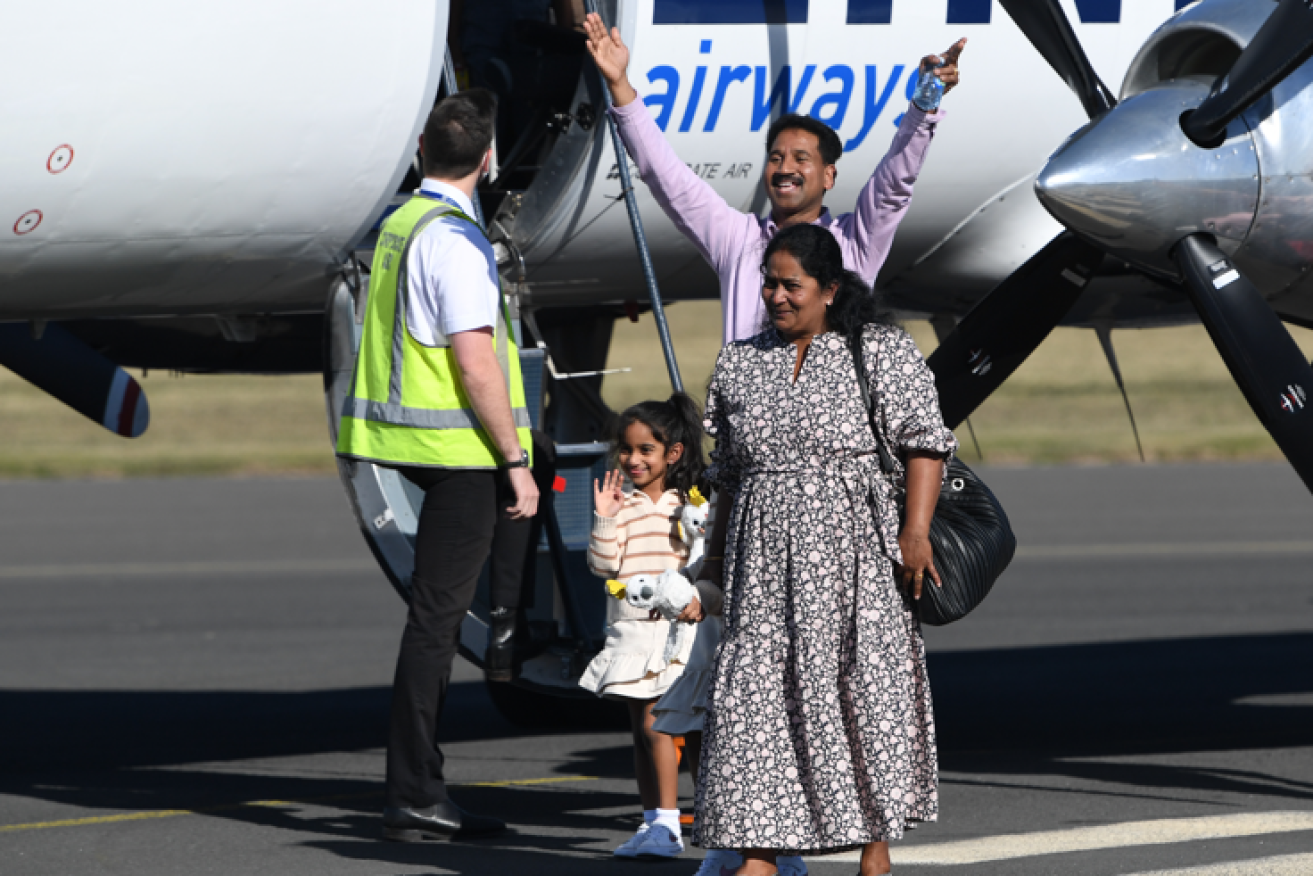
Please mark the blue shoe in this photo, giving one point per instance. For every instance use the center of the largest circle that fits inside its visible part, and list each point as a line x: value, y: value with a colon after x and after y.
x: 790, y: 865
x: 720, y: 862
x: 660, y: 844
x: 630, y: 847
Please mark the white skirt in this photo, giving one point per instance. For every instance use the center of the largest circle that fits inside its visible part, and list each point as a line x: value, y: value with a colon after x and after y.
x: 683, y: 707
x: 632, y: 663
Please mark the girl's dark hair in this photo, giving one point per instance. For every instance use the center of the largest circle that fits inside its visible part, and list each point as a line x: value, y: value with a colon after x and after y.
x: 855, y: 304
x: 674, y: 421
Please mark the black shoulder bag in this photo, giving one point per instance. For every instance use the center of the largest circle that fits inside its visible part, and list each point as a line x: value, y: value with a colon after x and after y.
x: 970, y: 535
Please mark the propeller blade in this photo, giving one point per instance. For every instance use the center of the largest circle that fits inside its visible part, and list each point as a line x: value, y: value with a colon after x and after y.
x: 1009, y: 323
x: 1282, y: 44
x: 1046, y: 26
x: 1266, y: 363
x: 61, y: 364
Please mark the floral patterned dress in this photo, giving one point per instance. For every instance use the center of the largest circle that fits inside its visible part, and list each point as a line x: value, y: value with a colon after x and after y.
x: 819, y: 732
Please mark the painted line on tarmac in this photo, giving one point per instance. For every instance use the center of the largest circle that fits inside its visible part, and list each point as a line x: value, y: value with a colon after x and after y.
x: 1089, y: 839
x: 174, y: 813
x: 1164, y: 549
x: 521, y: 783
x: 1278, y: 865
x: 268, y: 804
x: 222, y: 567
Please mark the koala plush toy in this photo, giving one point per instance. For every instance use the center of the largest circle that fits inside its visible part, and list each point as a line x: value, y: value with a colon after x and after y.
x: 668, y: 593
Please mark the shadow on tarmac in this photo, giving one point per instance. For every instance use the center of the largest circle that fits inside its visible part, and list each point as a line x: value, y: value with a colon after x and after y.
x: 1045, y: 711
x: 1120, y: 698
x: 1056, y: 710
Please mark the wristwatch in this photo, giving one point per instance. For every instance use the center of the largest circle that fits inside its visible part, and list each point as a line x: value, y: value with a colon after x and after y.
x: 522, y: 462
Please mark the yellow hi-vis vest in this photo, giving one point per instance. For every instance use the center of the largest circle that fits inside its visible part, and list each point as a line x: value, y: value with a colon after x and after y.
x: 406, y: 405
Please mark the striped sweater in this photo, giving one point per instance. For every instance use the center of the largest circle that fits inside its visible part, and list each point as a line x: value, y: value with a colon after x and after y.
x: 642, y: 539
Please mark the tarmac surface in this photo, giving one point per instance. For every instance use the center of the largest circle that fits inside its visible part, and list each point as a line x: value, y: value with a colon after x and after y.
x: 194, y: 677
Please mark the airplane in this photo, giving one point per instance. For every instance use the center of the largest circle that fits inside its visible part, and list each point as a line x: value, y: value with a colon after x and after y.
x: 201, y: 192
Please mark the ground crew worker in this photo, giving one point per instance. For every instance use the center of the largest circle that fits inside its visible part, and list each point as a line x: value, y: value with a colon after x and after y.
x: 437, y: 395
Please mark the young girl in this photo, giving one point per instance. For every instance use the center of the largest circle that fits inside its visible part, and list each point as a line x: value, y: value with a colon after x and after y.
x: 659, y: 448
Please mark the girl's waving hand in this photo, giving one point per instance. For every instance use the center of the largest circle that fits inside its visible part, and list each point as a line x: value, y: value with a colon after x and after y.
x: 608, y: 498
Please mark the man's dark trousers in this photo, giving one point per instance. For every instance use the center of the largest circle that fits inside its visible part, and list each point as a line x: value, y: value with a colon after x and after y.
x: 462, y: 521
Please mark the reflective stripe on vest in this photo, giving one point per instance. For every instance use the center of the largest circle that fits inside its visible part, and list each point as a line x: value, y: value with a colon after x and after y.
x: 377, y: 422
x: 422, y: 418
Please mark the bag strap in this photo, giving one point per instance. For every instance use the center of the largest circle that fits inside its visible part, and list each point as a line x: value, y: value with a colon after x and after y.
x: 887, y: 464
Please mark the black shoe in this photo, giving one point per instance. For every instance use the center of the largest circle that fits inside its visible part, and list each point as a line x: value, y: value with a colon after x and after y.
x: 445, y: 821
x: 500, y: 659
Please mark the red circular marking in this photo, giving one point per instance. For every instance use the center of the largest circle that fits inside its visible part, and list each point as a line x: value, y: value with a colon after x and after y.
x: 28, y: 221
x: 60, y: 159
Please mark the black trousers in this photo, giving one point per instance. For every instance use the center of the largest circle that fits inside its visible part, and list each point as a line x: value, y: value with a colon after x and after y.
x: 462, y: 522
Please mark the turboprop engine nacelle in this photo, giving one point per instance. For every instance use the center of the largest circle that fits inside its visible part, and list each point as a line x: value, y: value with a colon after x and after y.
x: 1135, y: 184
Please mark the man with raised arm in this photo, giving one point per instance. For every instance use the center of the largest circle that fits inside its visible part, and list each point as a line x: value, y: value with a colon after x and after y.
x: 800, y: 169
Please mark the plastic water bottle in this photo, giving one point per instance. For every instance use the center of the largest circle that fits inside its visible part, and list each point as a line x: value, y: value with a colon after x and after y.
x: 929, y: 91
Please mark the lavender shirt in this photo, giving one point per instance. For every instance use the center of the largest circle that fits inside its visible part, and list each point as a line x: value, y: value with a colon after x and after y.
x: 733, y: 242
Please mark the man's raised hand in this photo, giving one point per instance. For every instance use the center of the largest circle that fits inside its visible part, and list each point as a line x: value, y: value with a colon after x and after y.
x: 945, y: 65
x: 612, y: 58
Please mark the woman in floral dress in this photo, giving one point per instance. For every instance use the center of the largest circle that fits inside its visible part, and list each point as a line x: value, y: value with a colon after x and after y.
x: 819, y: 732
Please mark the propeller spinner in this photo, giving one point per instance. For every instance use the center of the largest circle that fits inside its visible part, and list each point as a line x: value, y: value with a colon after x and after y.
x: 1134, y: 184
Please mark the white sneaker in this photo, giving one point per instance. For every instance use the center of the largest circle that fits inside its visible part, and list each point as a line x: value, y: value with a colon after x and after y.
x: 791, y: 865
x: 720, y: 862
x: 660, y: 843
x: 630, y: 847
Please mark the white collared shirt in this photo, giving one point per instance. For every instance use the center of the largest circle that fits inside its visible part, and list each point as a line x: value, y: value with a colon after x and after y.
x: 452, y: 274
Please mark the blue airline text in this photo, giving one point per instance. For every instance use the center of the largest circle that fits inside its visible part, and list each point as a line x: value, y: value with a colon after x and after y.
x: 785, y: 94
x: 859, y: 11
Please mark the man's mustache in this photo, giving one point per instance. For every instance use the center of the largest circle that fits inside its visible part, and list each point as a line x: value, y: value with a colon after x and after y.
x: 782, y: 178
